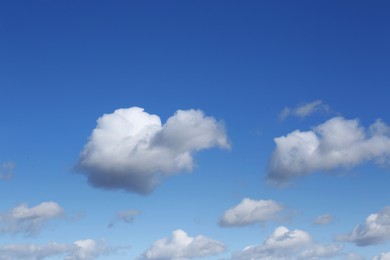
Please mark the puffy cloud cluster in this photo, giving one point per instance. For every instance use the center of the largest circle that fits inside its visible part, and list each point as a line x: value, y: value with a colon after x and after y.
x: 250, y: 211
x: 181, y: 246
x: 285, y: 244
x: 303, y: 110
x: 6, y: 170
x: 336, y: 143
x: 375, y: 230
x: 29, y: 221
x: 126, y: 216
x: 323, y: 219
x: 79, y: 250
x: 132, y: 150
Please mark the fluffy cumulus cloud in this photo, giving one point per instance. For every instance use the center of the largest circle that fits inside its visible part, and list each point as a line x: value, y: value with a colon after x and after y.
x: 29, y: 221
x: 383, y: 256
x: 304, y: 110
x: 181, y: 246
x: 284, y: 244
x: 6, y: 170
x: 132, y: 150
x: 250, y: 211
x: 375, y: 230
x: 336, y: 143
x: 323, y: 219
x: 126, y: 216
x: 79, y: 250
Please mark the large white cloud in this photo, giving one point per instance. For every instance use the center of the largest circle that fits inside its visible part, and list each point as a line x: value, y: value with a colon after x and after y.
x: 132, y: 150
x: 29, y: 221
x: 303, y: 110
x: 336, y: 143
x: 284, y: 244
x: 250, y: 211
x: 181, y: 246
x: 375, y: 230
x: 79, y: 250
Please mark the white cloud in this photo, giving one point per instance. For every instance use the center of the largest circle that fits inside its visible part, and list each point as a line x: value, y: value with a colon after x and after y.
x: 383, y: 256
x: 131, y: 150
x: 323, y: 219
x: 304, y: 110
x: 29, y: 221
x: 126, y: 216
x: 6, y: 170
x: 353, y: 256
x: 79, y: 250
x: 321, y: 251
x: 250, y: 211
x: 284, y: 244
x: 375, y: 230
x: 32, y: 251
x: 281, y: 244
x: 336, y: 143
x: 181, y: 246
x: 88, y: 249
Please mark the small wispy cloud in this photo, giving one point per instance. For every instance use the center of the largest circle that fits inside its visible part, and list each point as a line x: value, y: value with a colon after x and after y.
x: 323, y: 219
x: 304, y: 110
x: 87, y: 249
x: 250, y: 211
x: 7, y: 170
x: 126, y: 216
x: 29, y: 221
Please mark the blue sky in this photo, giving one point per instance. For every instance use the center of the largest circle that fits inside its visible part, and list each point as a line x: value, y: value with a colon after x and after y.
x: 259, y: 119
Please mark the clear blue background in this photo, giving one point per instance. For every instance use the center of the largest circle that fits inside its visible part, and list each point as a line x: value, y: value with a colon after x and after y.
x: 65, y: 63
